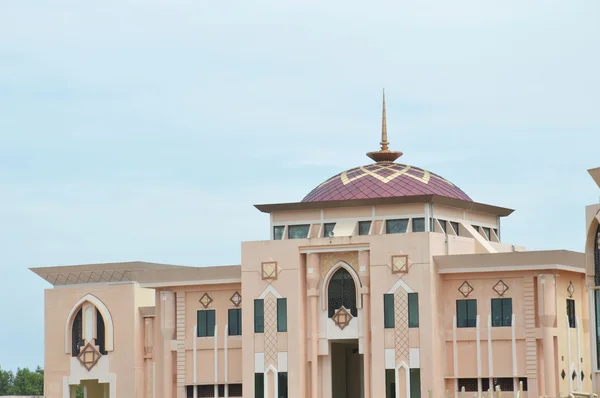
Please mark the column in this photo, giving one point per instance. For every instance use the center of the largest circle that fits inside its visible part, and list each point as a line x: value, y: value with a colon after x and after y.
x: 547, y: 316
x: 167, y: 328
x: 312, y: 277
x: 364, y: 268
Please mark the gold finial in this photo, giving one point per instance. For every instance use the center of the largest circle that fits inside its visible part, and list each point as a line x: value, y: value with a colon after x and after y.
x: 384, y: 155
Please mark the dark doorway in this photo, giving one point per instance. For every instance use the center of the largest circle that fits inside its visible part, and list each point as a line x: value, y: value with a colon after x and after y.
x: 346, y: 369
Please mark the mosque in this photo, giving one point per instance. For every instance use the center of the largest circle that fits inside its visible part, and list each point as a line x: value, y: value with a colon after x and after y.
x: 385, y: 280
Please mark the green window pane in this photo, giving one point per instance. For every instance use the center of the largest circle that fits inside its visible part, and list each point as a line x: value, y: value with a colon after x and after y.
x: 235, y: 322
x: 282, y: 385
x: 396, y: 226
x: 282, y: 315
x: 472, y: 313
x: 461, y: 314
x: 388, y: 311
x: 210, y: 322
x: 364, y: 227
x: 418, y: 225
x: 206, y: 323
x: 201, y: 323
x: 259, y: 385
x: 571, y: 313
x: 413, y: 310
x: 390, y: 384
x: 415, y: 383
x: 507, y: 311
x: 298, y: 231
x: 259, y: 316
x: 496, y: 312
x: 466, y: 313
x: 278, y: 232
x: 328, y: 228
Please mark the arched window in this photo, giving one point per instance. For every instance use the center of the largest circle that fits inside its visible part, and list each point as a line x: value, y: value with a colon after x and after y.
x: 100, y: 333
x: 597, y: 256
x: 341, y: 292
x: 77, y: 333
x: 81, y: 331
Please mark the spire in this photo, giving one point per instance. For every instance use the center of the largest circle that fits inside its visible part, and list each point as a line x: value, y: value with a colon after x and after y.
x: 384, y: 154
x: 384, y: 141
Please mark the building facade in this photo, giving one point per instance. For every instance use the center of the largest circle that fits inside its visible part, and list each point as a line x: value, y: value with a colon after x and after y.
x: 592, y: 259
x: 386, y: 280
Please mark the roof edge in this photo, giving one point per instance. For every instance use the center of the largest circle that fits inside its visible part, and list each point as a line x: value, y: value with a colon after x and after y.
x: 443, y: 200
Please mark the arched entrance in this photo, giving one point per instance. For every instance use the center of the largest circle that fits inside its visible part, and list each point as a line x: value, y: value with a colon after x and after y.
x: 346, y: 361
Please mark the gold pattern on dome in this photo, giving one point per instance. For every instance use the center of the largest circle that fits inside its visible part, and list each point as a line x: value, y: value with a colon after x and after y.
x: 269, y: 270
x: 328, y: 260
x: 400, y: 264
x: 206, y: 300
x: 89, y: 356
x: 379, y: 171
x: 342, y: 317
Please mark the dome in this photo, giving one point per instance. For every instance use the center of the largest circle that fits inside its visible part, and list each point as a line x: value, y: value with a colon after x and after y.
x: 384, y: 180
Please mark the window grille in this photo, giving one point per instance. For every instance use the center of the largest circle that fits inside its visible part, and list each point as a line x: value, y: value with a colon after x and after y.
x: 100, y: 333
x: 505, y: 383
x: 470, y: 385
x: 396, y: 226
x: 235, y: 390
x: 278, y: 232
x: 77, y: 334
x: 364, y: 227
x: 342, y: 292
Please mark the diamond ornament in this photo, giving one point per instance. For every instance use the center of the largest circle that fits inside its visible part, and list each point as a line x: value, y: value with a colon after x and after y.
x: 571, y: 289
x: 206, y: 300
x: 342, y: 317
x: 269, y: 270
x: 500, y: 288
x: 465, y: 289
x: 89, y: 356
x: 236, y: 299
x: 400, y: 264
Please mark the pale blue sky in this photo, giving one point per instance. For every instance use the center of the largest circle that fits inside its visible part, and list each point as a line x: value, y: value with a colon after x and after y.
x: 146, y: 130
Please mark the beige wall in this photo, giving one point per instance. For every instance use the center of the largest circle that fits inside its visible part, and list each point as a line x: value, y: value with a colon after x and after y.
x: 126, y: 359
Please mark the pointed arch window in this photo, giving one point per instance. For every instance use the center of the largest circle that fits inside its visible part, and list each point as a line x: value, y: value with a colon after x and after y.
x: 82, y: 324
x: 77, y: 334
x: 341, y: 292
x: 597, y: 256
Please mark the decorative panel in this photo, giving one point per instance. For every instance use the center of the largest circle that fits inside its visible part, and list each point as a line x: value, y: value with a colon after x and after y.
x: 270, y: 331
x: 401, y: 340
x: 328, y: 260
x: 180, y: 307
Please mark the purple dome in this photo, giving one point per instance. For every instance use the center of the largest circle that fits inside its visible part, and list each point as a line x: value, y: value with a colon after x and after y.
x: 384, y: 180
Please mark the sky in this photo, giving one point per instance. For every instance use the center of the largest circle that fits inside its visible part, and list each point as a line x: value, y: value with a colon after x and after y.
x: 147, y: 130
